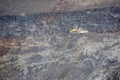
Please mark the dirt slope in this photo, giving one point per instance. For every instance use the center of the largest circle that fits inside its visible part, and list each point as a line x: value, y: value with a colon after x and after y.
x: 54, y: 46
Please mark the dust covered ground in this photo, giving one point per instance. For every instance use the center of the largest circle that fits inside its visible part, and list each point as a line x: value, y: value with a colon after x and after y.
x: 18, y: 7
x: 41, y: 46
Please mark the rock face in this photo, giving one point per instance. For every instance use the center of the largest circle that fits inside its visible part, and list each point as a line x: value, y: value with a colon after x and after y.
x: 41, y: 46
